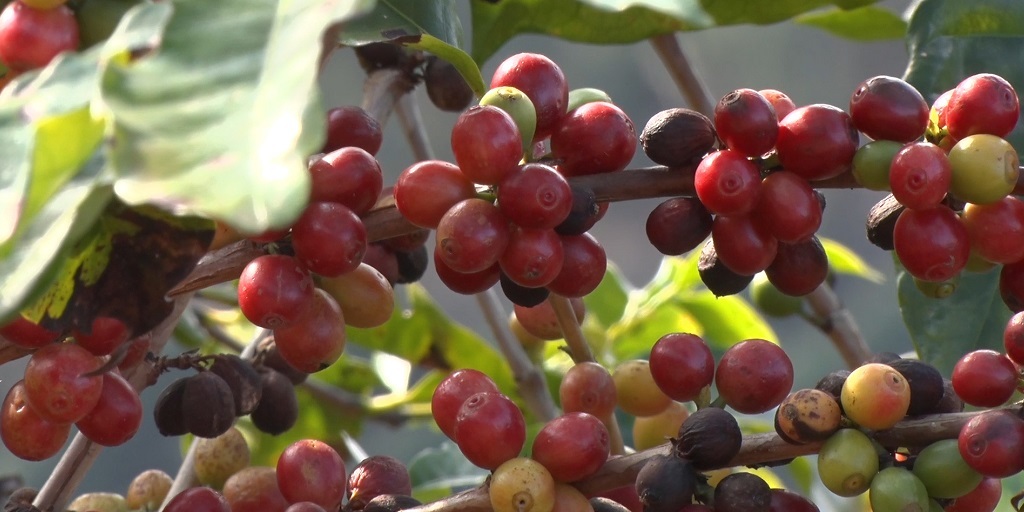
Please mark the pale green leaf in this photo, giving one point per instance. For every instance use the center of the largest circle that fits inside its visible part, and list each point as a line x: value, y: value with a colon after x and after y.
x: 842, y: 260
x: 870, y: 23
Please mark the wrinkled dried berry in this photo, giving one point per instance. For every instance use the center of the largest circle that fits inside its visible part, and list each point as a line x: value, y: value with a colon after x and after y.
x: 742, y: 492
x: 278, y: 409
x: 167, y: 415
x: 677, y: 137
x: 375, y: 476
x: 446, y: 87
x: 709, y: 438
x: 243, y: 380
x: 716, y: 276
x: 666, y: 483
x: 207, y: 405
x: 926, y: 387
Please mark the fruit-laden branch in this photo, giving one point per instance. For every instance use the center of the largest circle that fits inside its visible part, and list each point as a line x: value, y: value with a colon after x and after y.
x: 757, y: 450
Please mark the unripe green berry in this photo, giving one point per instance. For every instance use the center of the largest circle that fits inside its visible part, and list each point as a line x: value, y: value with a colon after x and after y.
x: 519, y: 107
x: 896, y: 489
x: 847, y: 462
x: 585, y: 95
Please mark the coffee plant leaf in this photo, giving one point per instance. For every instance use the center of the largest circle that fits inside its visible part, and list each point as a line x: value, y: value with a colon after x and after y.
x: 619, y: 21
x: 436, y: 472
x: 950, y: 40
x: 726, y: 320
x: 220, y: 117
x: 843, y: 260
x: 869, y: 23
x: 634, y: 335
x: 943, y: 330
x: 608, y: 301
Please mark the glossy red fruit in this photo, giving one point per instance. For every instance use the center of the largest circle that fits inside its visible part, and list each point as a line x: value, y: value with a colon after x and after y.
x: 727, y: 183
x: 535, y: 196
x: 196, y: 499
x: 780, y: 101
x: 787, y: 207
x: 310, y: 470
x: 451, y: 392
x: 329, y: 239
x: 542, y: 81
x: 24, y: 432
x: 572, y: 446
x: 472, y: 235
x: 991, y: 443
x: 583, y: 266
x: 486, y: 144
x: 798, y: 268
x: 996, y: 230
x: 426, y: 190
x: 107, y: 333
x: 588, y: 387
x: 25, y: 333
x: 817, y: 142
x: 920, y: 175
x: 754, y: 376
x: 678, y: 225
x: 746, y: 122
x: 742, y: 245
x: 985, y: 378
x: 30, y: 38
x: 274, y: 290
x: 57, y: 383
x: 885, y: 107
x: 533, y: 257
x: 349, y: 176
x: 116, y: 417
x: 1013, y: 339
x: 594, y: 138
x: 316, y: 339
x: 466, y: 283
x: 682, y: 365
x: 352, y: 126
x: 932, y: 244
x: 490, y: 429
x: 984, y: 497
x: 983, y: 103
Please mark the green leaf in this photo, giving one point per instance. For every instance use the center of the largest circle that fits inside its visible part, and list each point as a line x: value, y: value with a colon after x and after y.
x: 843, y: 260
x: 870, y: 23
x: 461, y: 60
x: 435, y: 472
x: 618, y: 21
x: 221, y: 117
x: 943, y: 330
x: 726, y: 320
x: 635, y: 335
x: 950, y: 40
x: 608, y: 301
x: 29, y: 263
x: 47, y: 134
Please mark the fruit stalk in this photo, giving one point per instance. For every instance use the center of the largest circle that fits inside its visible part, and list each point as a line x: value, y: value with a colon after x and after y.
x: 682, y: 72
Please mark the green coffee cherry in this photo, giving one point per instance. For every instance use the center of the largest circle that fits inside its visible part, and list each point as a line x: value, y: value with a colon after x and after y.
x: 519, y: 107
x: 984, y: 169
x: 942, y: 470
x: 847, y: 462
x: 871, y: 163
x: 585, y: 95
x: 898, y: 490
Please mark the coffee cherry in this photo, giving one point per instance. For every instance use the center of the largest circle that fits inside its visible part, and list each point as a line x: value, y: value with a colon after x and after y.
x: 984, y: 497
x: 101, y: 501
x: 593, y: 139
x: 304, y: 506
x: 391, y: 503
x: 535, y: 196
x: 105, y: 335
x: 847, y: 462
x: 665, y: 483
x: 678, y: 137
x: 746, y: 122
x: 787, y: 207
x: 727, y: 183
x: 519, y: 107
x: 682, y: 365
x: 242, y: 378
x: 315, y: 340
x: 817, y: 141
x: 117, y: 415
x: 329, y: 239
x: 148, y: 490
x: 274, y: 290
x: 521, y: 485
x: 472, y: 235
x: 637, y: 392
x: 585, y: 212
x: 278, y: 409
x: 942, y: 470
x: 425, y: 191
x: 872, y: 161
x: 875, y: 396
x: 254, y: 489
x: 352, y: 126
x: 985, y: 169
x: 1013, y: 338
x: 742, y: 245
x: 996, y: 229
x: 542, y: 81
x: 30, y: 37
x: 983, y: 103
x: 885, y: 107
x: 572, y: 446
x: 985, y: 378
x: 167, y: 413
x: 678, y: 225
x: 207, y: 404
x: 24, y: 432
x: 220, y: 457
x: 452, y: 392
x: 375, y: 476
x: 990, y: 443
x: 932, y: 244
x: 348, y: 176
x: 926, y: 386
x: 753, y: 376
x: 486, y: 144
x: 57, y: 383
x: 780, y: 101
x: 896, y: 488
x: 920, y: 175
x: 709, y: 438
x: 742, y: 492
x: 533, y: 257
x: 27, y: 334
x: 806, y: 416
x: 798, y: 268
x: 786, y: 501
x: 716, y: 276
x: 310, y: 470
x: 198, y: 498
x: 490, y: 429
x: 445, y: 86
x: 583, y: 266
x: 588, y: 387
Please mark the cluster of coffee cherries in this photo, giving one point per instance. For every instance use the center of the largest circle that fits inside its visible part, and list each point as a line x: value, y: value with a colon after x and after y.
x: 33, y: 32
x: 950, y: 209
x: 71, y: 380
x: 504, y: 210
x: 309, y: 476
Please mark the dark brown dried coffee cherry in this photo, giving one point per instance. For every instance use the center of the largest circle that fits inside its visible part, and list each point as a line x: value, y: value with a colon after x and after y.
x: 167, y: 414
x: 807, y: 415
x: 602, y: 504
x: 950, y: 401
x: 520, y: 295
x: 272, y: 359
x: 278, y: 409
x: 709, y: 438
x: 678, y: 137
x: 411, y: 265
x: 243, y: 380
x: 584, y: 214
x: 926, y: 387
x: 742, y: 492
x: 391, y: 503
x: 833, y: 384
x: 381, y: 55
x: 208, y: 405
x: 666, y: 483
x: 446, y: 87
x: 882, y: 220
x: 716, y: 276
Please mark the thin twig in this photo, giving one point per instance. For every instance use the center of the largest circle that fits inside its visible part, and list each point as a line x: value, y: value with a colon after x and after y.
x: 82, y: 453
x: 682, y: 72
x: 408, y: 111
x: 532, y: 386
x: 839, y: 325
x: 579, y: 349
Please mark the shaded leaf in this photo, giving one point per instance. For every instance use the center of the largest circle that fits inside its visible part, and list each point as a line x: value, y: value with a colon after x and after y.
x: 608, y: 301
x: 435, y: 472
x: 950, y: 40
x: 870, y: 23
x: 843, y: 260
x: 943, y: 330
x: 221, y: 118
